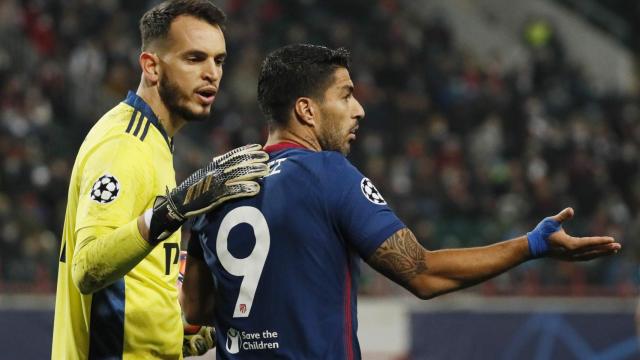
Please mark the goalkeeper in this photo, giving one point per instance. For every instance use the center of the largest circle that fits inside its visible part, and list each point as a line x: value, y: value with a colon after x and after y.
x: 118, y: 264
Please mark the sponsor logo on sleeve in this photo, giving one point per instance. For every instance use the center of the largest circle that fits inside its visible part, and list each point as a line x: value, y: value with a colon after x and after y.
x: 371, y: 193
x: 105, y: 189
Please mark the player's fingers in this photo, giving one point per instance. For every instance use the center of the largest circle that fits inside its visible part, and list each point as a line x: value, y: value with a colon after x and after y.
x: 595, y: 252
x: 587, y: 242
x: 563, y: 215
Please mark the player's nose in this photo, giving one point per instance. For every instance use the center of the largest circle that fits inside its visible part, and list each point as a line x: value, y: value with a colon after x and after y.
x: 211, y: 72
x: 358, y: 111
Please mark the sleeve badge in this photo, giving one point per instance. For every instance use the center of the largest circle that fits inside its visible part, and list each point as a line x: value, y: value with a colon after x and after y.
x: 371, y: 193
x: 105, y: 189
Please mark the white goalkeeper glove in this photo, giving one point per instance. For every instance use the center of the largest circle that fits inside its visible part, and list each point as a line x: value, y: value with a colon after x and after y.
x: 229, y: 176
x: 198, y: 343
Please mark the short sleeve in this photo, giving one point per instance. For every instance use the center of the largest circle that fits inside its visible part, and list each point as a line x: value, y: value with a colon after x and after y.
x: 194, y: 248
x: 363, y: 216
x: 116, y: 183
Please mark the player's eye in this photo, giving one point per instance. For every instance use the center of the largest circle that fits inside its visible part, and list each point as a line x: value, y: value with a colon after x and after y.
x: 195, y: 57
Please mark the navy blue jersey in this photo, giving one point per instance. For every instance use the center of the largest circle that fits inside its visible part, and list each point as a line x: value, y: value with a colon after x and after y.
x: 285, y: 262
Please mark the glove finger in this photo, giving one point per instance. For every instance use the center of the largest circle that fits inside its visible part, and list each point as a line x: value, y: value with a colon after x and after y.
x: 198, y: 345
x: 243, y: 149
x: 241, y: 189
x: 248, y: 157
x: 209, y: 335
x: 246, y: 172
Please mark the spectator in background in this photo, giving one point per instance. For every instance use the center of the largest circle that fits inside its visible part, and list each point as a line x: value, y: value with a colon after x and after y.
x: 446, y: 96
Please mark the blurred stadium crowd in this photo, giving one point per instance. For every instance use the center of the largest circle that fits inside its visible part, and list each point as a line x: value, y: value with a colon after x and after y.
x: 466, y: 152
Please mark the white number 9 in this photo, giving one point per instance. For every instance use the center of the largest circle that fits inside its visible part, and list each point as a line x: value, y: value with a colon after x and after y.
x: 250, y: 267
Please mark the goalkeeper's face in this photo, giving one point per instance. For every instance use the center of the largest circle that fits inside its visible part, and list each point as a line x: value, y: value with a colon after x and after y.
x: 191, y: 68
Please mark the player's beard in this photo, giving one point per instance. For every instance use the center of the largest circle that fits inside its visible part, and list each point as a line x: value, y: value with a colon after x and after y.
x: 173, y: 98
x: 331, y: 138
x: 331, y: 135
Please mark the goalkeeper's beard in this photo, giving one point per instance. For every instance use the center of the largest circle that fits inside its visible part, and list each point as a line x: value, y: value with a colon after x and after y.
x: 171, y: 96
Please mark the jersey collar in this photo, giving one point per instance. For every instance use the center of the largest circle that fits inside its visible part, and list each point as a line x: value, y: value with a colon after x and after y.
x: 139, y: 104
x: 282, y: 145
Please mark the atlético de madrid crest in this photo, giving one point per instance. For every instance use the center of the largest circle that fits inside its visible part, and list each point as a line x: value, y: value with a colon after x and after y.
x: 371, y: 193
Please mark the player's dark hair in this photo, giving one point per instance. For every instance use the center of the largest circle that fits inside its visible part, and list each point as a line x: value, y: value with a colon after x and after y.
x: 295, y: 71
x: 155, y: 23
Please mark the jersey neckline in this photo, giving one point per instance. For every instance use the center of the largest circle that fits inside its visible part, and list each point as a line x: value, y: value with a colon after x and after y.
x: 139, y: 104
x: 282, y: 146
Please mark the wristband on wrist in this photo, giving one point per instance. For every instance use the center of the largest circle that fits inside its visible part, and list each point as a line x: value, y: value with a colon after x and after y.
x: 147, y: 217
x: 539, y: 237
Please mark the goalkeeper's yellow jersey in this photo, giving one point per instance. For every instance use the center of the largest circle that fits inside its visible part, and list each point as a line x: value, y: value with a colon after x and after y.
x: 124, y: 162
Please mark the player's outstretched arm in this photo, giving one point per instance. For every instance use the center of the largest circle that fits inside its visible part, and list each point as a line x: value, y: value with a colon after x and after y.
x: 103, y: 255
x: 428, y: 274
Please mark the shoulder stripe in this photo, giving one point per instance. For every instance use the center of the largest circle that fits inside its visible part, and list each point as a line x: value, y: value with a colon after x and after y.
x: 141, y: 118
x: 138, y: 118
x: 133, y: 118
x: 142, y: 112
x: 146, y: 128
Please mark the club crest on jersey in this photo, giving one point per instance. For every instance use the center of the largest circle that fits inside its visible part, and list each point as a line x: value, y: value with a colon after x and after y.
x: 105, y: 189
x: 371, y: 193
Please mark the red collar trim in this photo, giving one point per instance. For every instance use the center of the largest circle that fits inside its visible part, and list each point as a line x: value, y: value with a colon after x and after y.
x: 282, y: 145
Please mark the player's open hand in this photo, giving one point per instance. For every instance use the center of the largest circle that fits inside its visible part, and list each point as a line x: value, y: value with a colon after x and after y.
x: 566, y: 247
x: 229, y: 176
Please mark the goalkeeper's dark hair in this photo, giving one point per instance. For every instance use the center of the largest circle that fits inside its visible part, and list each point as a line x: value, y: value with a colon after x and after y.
x: 294, y: 71
x: 155, y: 23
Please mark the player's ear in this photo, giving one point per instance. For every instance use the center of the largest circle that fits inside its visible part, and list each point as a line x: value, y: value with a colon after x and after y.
x: 150, y: 65
x: 305, y: 111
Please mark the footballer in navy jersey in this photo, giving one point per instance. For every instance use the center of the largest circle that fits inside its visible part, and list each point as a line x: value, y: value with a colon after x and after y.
x: 276, y: 274
x: 285, y: 261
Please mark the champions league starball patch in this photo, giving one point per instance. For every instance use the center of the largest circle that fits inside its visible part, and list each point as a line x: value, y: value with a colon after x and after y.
x: 105, y: 189
x: 371, y: 193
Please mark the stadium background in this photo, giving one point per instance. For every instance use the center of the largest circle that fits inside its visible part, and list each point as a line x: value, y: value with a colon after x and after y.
x: 482, y: 117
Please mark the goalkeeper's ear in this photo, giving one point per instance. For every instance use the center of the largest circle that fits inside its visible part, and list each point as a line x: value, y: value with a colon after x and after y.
x: 149, y: 63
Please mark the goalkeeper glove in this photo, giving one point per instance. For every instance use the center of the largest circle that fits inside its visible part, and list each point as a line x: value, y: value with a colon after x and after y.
x: 196, y: 344
x: 228, y: 176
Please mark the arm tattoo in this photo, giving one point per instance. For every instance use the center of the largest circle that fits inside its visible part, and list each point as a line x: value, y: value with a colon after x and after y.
x: 400, y: 257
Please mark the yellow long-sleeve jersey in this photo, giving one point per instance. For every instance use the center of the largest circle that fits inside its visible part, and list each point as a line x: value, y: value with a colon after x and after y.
x: 124, y: 162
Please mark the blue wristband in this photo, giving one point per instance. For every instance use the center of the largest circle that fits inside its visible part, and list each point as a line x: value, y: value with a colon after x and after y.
x: 538, y: 237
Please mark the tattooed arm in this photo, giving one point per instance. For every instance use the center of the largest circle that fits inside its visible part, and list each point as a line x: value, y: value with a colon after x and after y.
x: 428, y: 274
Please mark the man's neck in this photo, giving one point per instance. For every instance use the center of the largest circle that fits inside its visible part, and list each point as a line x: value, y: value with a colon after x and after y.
x: 151, y: 96
x: 286, y: 135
